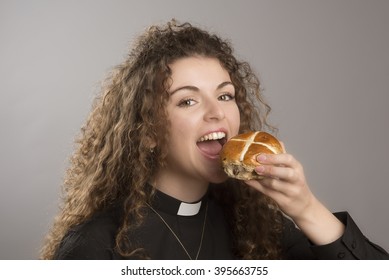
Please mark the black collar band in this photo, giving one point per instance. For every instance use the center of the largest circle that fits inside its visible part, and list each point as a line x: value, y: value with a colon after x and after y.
x: 173, y: 206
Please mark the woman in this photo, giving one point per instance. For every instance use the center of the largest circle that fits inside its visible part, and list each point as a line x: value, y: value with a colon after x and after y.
x: 146, y: 180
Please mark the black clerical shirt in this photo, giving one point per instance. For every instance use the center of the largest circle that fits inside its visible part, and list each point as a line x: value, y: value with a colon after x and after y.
x: 95, y: 239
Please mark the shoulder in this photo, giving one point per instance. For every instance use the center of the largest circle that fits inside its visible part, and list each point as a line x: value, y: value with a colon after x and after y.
x: 93, y: 239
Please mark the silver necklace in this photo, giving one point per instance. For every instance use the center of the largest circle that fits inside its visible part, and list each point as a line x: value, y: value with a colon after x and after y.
x: 175, y: 235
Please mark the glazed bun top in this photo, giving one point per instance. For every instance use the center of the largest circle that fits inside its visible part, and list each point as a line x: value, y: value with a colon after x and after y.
x: 238, y: 156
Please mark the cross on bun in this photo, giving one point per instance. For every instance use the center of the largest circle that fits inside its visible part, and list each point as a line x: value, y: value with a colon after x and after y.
x: 238, y: 156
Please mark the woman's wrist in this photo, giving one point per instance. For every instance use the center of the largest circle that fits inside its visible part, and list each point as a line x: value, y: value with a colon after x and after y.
x: 319, y: 224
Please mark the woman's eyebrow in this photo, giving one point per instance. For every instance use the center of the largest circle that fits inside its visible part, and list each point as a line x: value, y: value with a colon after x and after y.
x: 194, y: 88
x: 224, y: 84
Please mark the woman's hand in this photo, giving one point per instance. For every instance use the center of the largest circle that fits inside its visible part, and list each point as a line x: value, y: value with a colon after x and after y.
x: 284, y: 181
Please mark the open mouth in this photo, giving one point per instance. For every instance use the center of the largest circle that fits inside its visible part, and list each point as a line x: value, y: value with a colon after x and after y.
x: 211, y: 144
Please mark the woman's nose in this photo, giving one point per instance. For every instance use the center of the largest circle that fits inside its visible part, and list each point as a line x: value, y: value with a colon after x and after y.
x: 214, y: 111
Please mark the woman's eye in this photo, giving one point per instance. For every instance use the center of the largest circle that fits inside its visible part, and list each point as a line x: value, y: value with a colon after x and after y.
x: 226, y: 97
x: 187, y: 102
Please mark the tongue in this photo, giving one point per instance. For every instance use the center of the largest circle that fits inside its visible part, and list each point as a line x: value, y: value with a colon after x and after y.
x: 211, y: 148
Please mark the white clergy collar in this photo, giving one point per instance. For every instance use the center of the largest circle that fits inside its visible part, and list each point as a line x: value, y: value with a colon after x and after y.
x: 189, y: 209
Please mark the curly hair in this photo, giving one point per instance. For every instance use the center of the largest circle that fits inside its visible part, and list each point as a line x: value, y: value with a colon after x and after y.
x: 112, y: 162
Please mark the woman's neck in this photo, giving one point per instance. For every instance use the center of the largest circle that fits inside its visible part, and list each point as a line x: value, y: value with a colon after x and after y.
x: 182, y: 189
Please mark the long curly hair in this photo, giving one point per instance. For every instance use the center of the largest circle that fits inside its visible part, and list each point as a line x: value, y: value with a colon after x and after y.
x: 113, y: 163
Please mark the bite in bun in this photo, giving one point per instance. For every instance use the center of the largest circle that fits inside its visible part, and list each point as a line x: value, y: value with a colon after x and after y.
x: 238, y: 156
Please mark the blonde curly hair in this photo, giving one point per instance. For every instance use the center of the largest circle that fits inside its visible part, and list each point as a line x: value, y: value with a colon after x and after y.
x: 113, y: 163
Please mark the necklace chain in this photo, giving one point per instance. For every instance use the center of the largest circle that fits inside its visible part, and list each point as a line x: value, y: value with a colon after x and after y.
x: 175, y: 235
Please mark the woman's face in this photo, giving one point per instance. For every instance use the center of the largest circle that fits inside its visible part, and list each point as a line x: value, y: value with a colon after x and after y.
x: 203, y: 115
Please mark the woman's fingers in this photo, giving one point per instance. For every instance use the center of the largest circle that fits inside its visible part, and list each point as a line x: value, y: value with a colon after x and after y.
x: 276, y: 172
x: 282, y: 166
x: 277, y: 159
x: 267, y: 188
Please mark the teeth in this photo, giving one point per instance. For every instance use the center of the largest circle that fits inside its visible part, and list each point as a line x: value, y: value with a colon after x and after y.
x: 213, y: 136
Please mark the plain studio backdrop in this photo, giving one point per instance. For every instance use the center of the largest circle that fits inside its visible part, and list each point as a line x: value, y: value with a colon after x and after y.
x: 324, y: 68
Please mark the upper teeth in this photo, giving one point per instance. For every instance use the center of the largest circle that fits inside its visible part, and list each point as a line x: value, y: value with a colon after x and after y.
x: 213, y: 136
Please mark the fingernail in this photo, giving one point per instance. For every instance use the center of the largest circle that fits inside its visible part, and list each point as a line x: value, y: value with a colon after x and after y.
x: 260, y: 169
x: 261, y: 158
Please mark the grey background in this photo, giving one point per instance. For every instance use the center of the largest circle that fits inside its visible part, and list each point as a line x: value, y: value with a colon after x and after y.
x: 324, y: 67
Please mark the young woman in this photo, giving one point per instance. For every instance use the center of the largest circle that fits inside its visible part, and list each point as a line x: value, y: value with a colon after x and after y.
x: 146, y: 180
